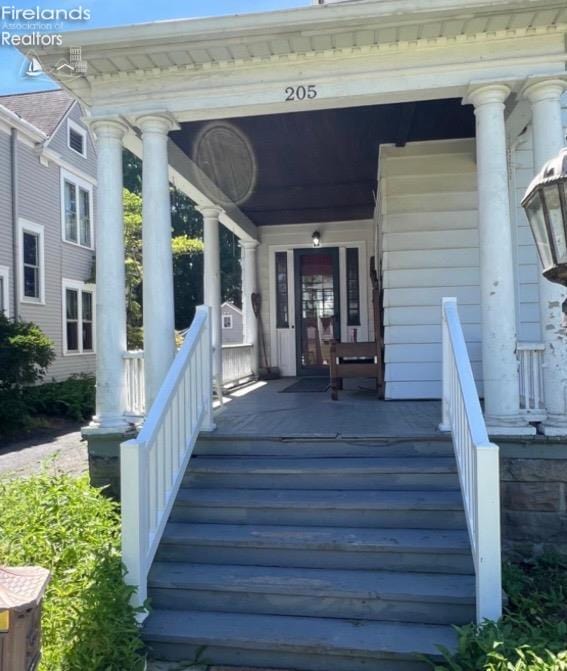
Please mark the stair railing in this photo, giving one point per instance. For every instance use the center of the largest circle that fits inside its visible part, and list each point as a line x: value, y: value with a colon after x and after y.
x: 152, y: 465
x: 477, y: 462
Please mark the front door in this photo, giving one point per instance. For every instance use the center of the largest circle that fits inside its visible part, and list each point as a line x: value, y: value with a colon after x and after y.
x: 317, y: 309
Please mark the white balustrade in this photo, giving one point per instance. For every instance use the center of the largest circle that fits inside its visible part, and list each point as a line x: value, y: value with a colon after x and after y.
x: 153, y: 464
x: 135, y: 391
x: 236, y: 363
x: 477, y: 462
x: 532, y: 403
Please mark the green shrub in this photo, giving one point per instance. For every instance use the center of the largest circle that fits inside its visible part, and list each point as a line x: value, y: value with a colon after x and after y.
x: 73, y: 398
x: 25, y: 354
x: 67, y: 526
x: 532, y: 634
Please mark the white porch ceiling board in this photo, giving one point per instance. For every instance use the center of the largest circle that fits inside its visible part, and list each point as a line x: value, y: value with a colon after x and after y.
x: 219, y: 53
x: 301, y: 44
x: 161, y: 60
x: 281, y: 46
x: 343, y: 40
x: 181, y: 57
x: 141, y: 61
x: 408, y: 33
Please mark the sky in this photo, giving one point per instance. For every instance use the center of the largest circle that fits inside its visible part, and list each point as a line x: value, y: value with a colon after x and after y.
x: 112, y: 13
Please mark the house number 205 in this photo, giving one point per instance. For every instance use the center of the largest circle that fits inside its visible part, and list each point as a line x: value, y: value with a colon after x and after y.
x: 301, y: 92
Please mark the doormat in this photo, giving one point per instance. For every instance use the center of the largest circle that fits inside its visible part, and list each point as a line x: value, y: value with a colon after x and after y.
x: 307, y: 384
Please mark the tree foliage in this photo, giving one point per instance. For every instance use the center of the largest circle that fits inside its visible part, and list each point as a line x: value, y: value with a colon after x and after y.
x: 187, y: 247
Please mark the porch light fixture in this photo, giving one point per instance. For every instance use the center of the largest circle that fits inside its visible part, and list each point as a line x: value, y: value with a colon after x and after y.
x: 316, y: 239
x: 545, y: 204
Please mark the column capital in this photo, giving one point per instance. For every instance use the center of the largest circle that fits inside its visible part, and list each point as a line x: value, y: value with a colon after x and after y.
x: 491, y: 93
x: 249, y: 245
x: 210, y: 211
x: 108, y: 127
x: 157, y: 122
x: 537, y: 89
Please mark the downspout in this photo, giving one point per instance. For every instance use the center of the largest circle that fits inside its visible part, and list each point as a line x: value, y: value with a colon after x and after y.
x: 15, y: 203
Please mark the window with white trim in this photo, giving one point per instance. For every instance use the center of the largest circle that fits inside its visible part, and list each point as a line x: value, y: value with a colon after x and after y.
x: 5, y: 290
x: 227, y: 321
x: 78, y: 317
x: 76, y: 138
x: 31, y: 262
x: 77, y: 210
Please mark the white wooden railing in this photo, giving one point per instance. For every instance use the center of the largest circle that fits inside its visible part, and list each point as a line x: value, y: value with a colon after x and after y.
x: 477, y: 462
x: 236, y: 363
x: 532, y: 402
x: 153, y: 464
x: 135, y: 392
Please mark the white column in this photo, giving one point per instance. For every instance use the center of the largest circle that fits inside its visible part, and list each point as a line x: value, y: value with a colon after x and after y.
x: 548, y: 139
x: 249, y: 287
x: 158, y: 308
x: 110, y: 278
x: 498, y: 303
x: 212, y: 282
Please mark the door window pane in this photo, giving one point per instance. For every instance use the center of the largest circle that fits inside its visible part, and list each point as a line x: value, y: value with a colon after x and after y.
x: 282, y: 302
x: 70, y: 212
x: 353, y: 287
x: 318, y: 309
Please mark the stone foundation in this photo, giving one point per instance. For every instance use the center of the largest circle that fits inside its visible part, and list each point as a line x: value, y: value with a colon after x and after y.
x: 534, y: 497
x: 104, y: 458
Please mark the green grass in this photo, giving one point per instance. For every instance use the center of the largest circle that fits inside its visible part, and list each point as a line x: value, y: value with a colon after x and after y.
x: 532, y: 634
x: 62, y: 523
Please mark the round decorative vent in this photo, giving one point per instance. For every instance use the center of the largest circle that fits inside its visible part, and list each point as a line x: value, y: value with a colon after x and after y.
x: 225, y: 156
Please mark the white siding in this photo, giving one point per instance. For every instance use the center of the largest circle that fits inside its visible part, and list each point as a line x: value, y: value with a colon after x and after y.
x: 430, y: 250
x: 339, y: 234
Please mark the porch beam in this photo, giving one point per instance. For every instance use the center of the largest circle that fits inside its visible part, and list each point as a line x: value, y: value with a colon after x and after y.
x: 184, y: 175
x: 158, y: 311
x: 544, y: 95
x: 498, y: 304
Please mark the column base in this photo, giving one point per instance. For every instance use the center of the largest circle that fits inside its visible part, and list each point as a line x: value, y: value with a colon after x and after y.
x: 509, y: 426
x: 103, y: 446
x: 555, y: 426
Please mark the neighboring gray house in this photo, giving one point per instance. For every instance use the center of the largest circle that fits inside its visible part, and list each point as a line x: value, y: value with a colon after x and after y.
x: 232, y: 324
x: 47, y: 183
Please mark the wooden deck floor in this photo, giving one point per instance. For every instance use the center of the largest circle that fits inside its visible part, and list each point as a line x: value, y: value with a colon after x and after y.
x: 260, y: 409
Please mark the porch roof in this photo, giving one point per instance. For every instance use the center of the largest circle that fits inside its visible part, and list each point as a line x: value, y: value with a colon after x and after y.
x: 201, y: 44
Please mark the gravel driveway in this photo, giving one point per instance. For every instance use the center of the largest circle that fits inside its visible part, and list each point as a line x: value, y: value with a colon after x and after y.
x: 56, y: 450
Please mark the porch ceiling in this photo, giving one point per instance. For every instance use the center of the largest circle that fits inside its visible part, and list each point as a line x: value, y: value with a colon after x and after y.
x: 322, y: 165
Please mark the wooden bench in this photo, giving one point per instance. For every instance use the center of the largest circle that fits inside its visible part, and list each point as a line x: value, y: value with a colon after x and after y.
x: 354, y: 359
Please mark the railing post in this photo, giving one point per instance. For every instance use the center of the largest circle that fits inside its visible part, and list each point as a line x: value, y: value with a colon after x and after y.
x: 134, y: 498
x: 207, y: 391
x: 446, y: 357
x: 488, y: 559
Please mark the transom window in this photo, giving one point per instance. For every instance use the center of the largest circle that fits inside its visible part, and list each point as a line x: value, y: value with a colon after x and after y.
x: 31, y: 262
x: 79, y: 318
x: 77, y: 138
x: 77, y: 211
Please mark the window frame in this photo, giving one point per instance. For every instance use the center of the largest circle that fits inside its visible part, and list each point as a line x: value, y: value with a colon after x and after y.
x: 80, y: 288
x: 79, y: 184
x: 77, y: 128
x: 26, y: 226
x: 5, y: 276
x: 229, y: 317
